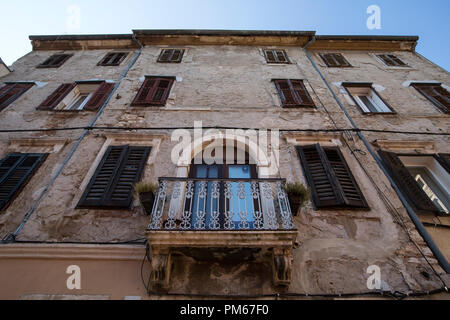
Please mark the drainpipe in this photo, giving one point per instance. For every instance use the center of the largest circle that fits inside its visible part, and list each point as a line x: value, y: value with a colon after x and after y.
x: 419, y: 225
x: 12, y: 237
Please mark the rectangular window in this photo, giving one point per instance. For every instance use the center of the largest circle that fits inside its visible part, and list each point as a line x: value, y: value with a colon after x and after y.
x: 330, y: 179
x: 11, y: 92
x: 368, y: 100
x: 55, y: 61
x: 391, y: 60
x: 293, y: 93
x: 154, y: 91
x: 113, y: 59
x: 88, y: 96
x: 435, y: 93
x: 15, y: 170
x: 276, y: 56
x: 112, y: 183
x: 171, y: 55
x: 424, y: 182
x: 335, y: 60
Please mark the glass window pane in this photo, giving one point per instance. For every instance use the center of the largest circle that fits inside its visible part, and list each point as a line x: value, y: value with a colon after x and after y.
x: 432, y: 188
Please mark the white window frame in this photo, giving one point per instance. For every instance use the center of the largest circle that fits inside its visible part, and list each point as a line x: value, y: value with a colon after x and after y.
x: 438, y: 173
x: 377, y: 102
x: 73, y: 96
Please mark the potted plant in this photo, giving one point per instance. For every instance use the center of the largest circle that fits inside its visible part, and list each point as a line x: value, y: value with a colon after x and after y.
x: 145, y: 193
x: 298, y: 195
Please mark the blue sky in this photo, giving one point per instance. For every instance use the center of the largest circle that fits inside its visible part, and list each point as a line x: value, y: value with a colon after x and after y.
x: 427, y: 19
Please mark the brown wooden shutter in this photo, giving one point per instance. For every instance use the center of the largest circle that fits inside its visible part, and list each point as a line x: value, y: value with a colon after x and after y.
x: 281, y: 56
x: 409, y: 187
x: 276, y: 56
x: 154, y: 91
x: 177, y: 55
x: 11, y: 92
x: 112, y: 183
x: 55, y: 61
x: 113, y: 59
x: 438, y: 95
x: 385, y: 59
x: 145, y: 93
x: 171, y: 55
x: 293, y: 93
x: 444, y: 160
x: 304, y: 99
x: 317, y: 172
x: 335, y: 60
x: 99, y: 97
x: 270, y: 56
x: 15, y: 170
x: 287, y: 96
x: 57, y: 96
x: 331, y: 181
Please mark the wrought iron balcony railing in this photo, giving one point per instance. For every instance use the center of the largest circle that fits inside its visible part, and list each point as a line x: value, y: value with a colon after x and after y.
x: 221, y: 204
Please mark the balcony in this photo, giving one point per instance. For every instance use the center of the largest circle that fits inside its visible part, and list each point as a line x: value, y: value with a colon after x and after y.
x: 218, y: 215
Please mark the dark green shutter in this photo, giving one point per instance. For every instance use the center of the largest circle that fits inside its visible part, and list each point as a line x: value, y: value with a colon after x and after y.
x: 409, y: 187
x: 15, y: 170
x: 323, y: 189
x: 112, y: 183
x: 331, y: 181
x: 351, y: 192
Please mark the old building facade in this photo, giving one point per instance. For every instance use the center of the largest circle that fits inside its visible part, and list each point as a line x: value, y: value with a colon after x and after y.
x: 362, y: 121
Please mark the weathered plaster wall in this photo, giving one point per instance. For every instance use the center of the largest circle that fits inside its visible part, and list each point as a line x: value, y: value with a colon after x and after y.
x: 231, y: 86
x: 22, y: 113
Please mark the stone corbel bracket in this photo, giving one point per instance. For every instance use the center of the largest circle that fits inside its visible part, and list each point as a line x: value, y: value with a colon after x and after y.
x: 162, y: 244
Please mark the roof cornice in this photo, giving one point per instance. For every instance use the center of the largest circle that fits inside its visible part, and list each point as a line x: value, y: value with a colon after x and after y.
x: 224, y: 37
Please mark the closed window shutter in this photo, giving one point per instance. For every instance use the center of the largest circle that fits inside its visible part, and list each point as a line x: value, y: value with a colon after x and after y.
x: 444, y: 160
x: 57, y: 96
x: 303, y: 95
x: 438, y: 95
x: 55, y: 61
x: 286, y: 94
x: 99, y: 97
x: 335, y: 60
x: 341, y: 61
x: 351, y: 192
x: 113, y: 59
x: 270, y: 56
x: 112, y: 183
x: 11, y: 92
x: 416, y: 197
x: 281, y: 56
x: 154, y: 91
x: 331, y: 181
x: 397, y: 61
x: 177, y: 55
x: 317, y: 171
x: 15, y: 170
x: 276, y: 56
x: 171, y: 55
x: 293, y: 93
x: 386, y: 60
